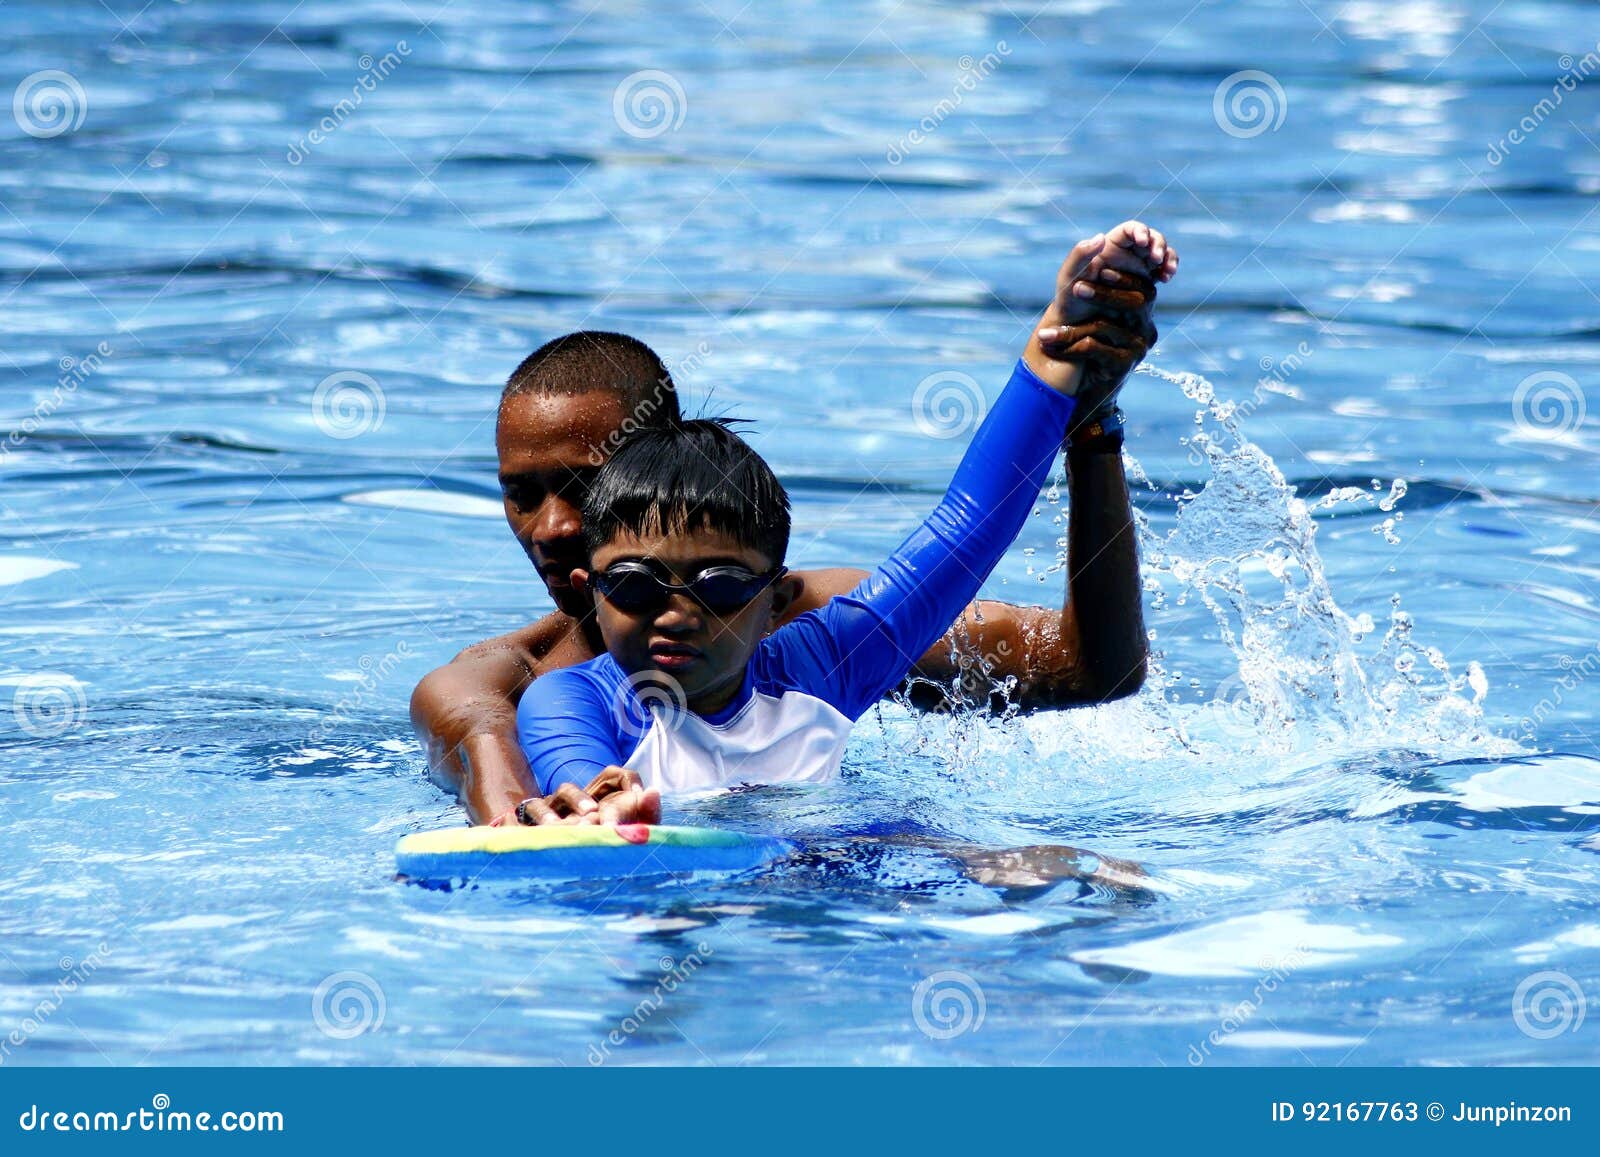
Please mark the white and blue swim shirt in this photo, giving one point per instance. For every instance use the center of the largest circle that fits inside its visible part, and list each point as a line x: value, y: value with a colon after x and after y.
x: 809, y: 681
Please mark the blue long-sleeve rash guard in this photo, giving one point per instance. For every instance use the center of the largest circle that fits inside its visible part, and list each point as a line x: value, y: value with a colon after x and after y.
x: 809, y: 681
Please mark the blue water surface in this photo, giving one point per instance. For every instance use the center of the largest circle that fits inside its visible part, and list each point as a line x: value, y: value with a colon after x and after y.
x: 265, y: 265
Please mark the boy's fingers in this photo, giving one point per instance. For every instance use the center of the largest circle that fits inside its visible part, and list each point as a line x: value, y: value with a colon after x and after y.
x: 613, y: 779
x: 635, y: 806
x: 1082, y: 254
x: 1126, y: 261
x: 1131, y: 234
x: 573, y: 800
x: 1158, y: 248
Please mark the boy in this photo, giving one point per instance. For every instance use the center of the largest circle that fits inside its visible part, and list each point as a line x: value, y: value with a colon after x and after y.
x: 686, y: 529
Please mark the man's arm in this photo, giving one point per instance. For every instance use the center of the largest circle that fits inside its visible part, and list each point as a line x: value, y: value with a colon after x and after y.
x: 1099, y: 322
x: 465, y: 717
x: 1057, y: 659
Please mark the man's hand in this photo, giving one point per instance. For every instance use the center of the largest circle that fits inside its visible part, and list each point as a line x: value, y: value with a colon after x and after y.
x: 615, y: 796
x: 1099, y: 326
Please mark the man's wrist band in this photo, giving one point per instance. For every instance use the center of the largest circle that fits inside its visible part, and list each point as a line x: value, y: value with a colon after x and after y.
x: 1100, y: 432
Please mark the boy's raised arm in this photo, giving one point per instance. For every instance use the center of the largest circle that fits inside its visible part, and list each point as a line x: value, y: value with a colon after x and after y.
x: 861, y: 644
x: 1093, y: 648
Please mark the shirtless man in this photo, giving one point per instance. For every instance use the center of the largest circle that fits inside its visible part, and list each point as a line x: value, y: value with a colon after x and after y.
x: 572, y: 401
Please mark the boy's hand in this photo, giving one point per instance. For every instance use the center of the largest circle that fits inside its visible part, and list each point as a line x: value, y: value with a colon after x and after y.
x: 1099, y: 326
x: 615, y: 796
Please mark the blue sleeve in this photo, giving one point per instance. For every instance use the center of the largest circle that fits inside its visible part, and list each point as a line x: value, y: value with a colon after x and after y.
x: 567, y: 729
x: 857, y: 647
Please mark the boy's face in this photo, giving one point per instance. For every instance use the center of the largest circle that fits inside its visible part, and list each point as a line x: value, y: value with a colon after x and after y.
x: 702, y: 652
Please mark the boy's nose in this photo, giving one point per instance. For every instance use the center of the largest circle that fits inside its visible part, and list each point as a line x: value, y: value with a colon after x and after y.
x: 681, y: 614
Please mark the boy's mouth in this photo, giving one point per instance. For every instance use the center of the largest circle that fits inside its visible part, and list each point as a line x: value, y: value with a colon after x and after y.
x: 673, y: 656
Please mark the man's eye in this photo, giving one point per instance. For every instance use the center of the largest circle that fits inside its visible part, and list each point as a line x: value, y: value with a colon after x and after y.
x: 574, y: 488
x: 522, y: 495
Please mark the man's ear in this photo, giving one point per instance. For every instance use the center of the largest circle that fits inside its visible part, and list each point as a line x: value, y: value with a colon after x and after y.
x: 784, y: 593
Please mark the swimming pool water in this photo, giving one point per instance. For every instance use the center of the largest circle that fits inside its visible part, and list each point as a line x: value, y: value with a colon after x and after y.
x: 265, y: 265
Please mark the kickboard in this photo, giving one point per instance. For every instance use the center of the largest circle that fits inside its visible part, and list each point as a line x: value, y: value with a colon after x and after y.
x: 579, y: 851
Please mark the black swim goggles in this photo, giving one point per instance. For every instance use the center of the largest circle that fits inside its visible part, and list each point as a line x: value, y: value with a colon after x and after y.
x: 638, y: 588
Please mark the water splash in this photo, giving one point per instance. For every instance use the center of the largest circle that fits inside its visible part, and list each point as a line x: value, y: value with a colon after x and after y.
x: 1303, y: 681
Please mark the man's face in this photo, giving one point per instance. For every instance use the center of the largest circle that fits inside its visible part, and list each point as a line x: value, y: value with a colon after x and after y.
x: 703, y: 653
x: 550, y: 447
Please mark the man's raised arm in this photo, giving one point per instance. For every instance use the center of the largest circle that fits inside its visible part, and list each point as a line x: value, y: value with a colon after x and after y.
x: 1093, y: 649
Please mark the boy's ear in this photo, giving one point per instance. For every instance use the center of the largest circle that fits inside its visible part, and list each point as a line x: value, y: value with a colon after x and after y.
x: 580, y: 581
x: 784, y: 593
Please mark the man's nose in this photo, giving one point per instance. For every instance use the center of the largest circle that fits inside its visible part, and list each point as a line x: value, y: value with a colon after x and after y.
x: 556, y: 519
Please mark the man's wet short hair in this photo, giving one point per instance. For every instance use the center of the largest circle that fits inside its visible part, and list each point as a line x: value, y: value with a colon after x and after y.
x: 591, y: 359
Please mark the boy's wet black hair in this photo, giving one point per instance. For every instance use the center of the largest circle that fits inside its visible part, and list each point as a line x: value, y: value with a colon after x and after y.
x: 593, y: 359
x: 689, y: 475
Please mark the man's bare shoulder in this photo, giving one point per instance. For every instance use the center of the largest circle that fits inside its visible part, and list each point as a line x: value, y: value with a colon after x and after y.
x: 818, y: 586
x: 553, y: 641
